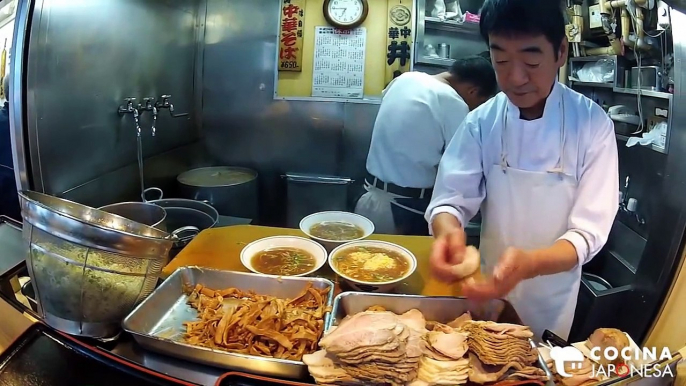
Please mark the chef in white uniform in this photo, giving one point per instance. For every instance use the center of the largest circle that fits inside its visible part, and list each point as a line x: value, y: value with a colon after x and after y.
x: 419, y: 114
x: 540, y: 160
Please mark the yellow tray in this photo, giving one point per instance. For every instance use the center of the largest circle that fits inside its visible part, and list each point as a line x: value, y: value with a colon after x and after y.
x: 220, y: 248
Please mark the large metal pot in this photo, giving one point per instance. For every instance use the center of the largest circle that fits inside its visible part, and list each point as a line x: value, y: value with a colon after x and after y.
x: 231, y: 190
x: 89, y: 268
x: 189, y: 214
x: 140, y: 212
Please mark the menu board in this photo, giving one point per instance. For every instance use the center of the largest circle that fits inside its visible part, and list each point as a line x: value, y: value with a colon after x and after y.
x: 338, y: 70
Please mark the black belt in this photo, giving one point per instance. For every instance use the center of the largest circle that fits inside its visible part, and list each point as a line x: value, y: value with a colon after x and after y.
x: 399, y: 190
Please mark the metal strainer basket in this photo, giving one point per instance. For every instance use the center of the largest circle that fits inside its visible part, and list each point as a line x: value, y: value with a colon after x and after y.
x: 89, y: 268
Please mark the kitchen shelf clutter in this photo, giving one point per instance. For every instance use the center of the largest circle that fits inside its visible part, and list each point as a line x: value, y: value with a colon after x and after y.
x: 447, y: 30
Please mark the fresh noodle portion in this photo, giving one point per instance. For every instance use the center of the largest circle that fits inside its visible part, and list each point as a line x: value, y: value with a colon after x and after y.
x: 247, y: 323
x: 371, y: 264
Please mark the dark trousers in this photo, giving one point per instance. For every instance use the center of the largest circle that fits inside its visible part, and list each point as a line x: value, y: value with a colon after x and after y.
x: 409, y: 223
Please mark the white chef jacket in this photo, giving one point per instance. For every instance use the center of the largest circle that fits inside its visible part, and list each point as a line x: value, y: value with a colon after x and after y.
x: 417, y: 118
x: 590, y: 155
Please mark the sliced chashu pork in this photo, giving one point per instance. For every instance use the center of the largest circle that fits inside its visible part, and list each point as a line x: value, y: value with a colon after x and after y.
x: 413, y: 319
x: 443, y: 379
x: 443, y: 372
x: 325, y: 370
x: 373, y: 375
x: 363, y: 330
x: 416, y: 323
x: 452, y: 345
x: 513, y: 330
x: 435, y: 326
x: 461, y: 320
x: 482, y: 373
x: 388, y: 348
x: 460, y: 366
x: 503, y: 355
x: 496, y: 349
x: 386, y: 356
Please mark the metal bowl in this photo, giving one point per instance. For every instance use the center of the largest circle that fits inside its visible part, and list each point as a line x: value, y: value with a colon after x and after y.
x: 200, y: 206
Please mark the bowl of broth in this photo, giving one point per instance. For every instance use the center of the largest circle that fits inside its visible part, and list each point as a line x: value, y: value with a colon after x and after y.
x: 372, y: 266
x: 332, y: 229
x: 283, y: 256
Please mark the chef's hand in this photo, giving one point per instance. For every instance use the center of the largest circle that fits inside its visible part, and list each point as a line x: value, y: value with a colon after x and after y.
x: 514, y: 266
x: 448, y: 248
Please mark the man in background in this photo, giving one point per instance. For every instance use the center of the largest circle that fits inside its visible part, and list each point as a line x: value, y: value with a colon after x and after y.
x: 9, y: 201
x: 418, y: 117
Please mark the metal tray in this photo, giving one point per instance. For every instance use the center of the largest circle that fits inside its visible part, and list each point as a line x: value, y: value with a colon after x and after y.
x: 436, y: 309
x: 156, y: 323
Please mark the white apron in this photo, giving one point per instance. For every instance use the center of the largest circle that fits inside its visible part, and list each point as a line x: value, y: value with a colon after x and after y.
x: 376, y: 206
x: 530, y: 210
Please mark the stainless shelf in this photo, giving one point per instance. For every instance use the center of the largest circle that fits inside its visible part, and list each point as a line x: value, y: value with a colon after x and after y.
x: 451, y: 26
x: 647, y: 93
x: 593, y: 58
x: 621, y: 90
x: 435, y: 61
x: 590, y: 84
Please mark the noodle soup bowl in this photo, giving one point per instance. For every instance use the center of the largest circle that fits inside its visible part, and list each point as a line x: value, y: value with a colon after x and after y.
x: 394, y: 251
x: 283, y: 242
x: 365, y: 226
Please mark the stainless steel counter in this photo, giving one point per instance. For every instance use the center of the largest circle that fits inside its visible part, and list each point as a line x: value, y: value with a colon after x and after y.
x: 191, y: 372
x: 14, y: 324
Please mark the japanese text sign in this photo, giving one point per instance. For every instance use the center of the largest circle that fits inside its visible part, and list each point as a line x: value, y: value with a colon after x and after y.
x: 291, y: 35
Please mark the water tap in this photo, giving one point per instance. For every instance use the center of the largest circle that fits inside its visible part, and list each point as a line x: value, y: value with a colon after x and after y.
x: 154, y: 119
x: 165, y: 104
x: 130, y: 108
x: 135, y: 118
x: 150, y: 106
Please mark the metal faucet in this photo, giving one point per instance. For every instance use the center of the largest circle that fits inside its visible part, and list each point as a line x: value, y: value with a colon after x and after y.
x: 129, y: 108
x: 150, y: 106
x: 165, y: 104
x: 623, y: 205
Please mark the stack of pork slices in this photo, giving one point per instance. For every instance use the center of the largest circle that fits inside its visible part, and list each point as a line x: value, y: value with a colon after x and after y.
x: 500, y: 351
x: 377, y: 347
x: 370, y: 348
x: 443, y: 362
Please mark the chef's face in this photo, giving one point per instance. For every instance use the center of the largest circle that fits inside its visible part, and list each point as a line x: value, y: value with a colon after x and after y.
x: 526, y: 67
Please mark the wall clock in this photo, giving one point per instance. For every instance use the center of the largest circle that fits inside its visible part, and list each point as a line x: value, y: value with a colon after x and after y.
x: 345, y: 13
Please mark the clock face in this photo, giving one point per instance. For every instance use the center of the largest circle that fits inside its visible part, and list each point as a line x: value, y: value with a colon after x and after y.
x: 345, y: 12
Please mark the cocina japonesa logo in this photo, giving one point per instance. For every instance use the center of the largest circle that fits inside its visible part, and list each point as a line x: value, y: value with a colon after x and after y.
x: 634, y: 361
